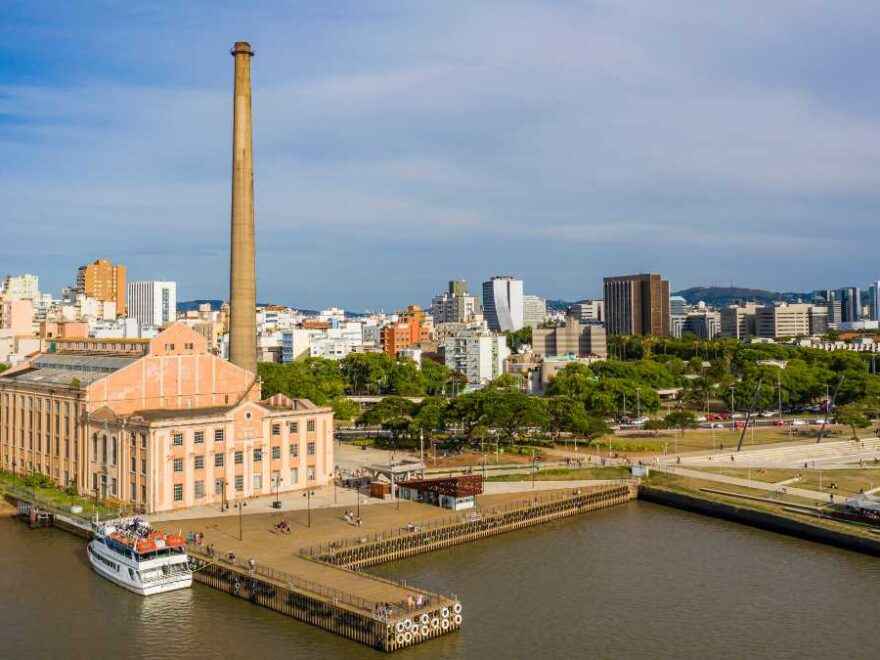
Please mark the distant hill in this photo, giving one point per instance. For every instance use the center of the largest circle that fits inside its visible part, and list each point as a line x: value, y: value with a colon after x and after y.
x: 719, y: 296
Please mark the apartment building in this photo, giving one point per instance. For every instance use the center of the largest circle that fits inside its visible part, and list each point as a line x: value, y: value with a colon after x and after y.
x: 103, y: 281
x: 738, y: 321
x: 574, y: 338
x: 477, y: 354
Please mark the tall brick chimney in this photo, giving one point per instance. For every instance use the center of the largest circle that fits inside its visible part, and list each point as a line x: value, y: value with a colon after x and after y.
x: 242, y: 260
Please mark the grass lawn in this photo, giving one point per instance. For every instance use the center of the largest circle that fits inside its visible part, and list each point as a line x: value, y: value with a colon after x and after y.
x: 567, y: 475
x: 848, y: 481
x: 56, y: 497
x: 698, y: 440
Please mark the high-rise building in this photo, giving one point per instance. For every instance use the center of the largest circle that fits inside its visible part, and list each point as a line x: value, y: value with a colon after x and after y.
x: 477, y: 354
x: 704, y: 323
x: 678, y: 306
x: 503, y: 303
x: 534, y: 311
x: 152, y: 303
x: 783, y: 320
x: 104, y: 281
x: 574, y: 338
x: 411, y: 328
x: 874, y: 300
x: 637, y: 305
x: 21, y: 287
x: 588, y: 311
x: 850, y: 304
x: 738, y: 321
x: 455, y: 305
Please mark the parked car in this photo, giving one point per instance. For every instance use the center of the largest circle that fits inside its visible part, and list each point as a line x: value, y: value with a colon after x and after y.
x: 798, y: 422
x: 779, y: 422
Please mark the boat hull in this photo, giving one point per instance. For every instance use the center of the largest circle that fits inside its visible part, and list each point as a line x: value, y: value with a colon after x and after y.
x: 120, y: 578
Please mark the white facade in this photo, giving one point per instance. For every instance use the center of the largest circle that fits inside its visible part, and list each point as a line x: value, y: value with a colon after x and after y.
x: 21, y: 287
x: 116, y: 329
x: 589, y: 311
x: 503, y: 303
x: 477, y: 354
x: 297, y: 342
x: 152, y: 303
x: 534, y: 311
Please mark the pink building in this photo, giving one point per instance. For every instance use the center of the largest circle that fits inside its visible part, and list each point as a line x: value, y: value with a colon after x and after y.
x: 17, y: 316
x: 160, y: 424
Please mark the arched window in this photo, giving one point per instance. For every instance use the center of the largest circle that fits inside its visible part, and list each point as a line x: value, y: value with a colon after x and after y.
x: 113, y: 448
x: 95, y: 446
x: 104, y: 448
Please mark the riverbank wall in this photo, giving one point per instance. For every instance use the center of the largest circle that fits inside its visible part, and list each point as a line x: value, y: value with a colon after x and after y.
x: 399, y: 544
x: 761, y: 519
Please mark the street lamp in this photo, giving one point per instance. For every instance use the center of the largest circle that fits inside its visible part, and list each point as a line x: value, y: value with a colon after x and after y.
x: 277, y: 503
x: 308, y: 495
x: 240, y: 504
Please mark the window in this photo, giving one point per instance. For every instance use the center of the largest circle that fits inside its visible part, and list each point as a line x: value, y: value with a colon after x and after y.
x: 276, y: 429
x: 239, y: 457
x: 188, y: 347
x: 258, y: 455
x: 178, y: 465
x: 104, y: 449
x: 294, y: 449
x: 143, y: 493
x: 169, y: 347
x: 294, y: 475
x: 133, y: 493
x: 133, y: 464
x: 199, y: 489
x: 112, y: 446
x: 311, y: 449
x: 199, y: 462
x: 199, y: 437
x: 292, y: 427
x: 310, y: 426
x: 177, y: 439
x: 258, y: 482
x: 218, y: 460
x: 276, y: 452
x: 218, y: 435
x: 144, y: 440
x: 310, y: 475
x: 143, y: 466
x: 218, y: 486
x: 239, y: 482
x: 95, y: 446
x: 113, y: 486
x: 178, y: 492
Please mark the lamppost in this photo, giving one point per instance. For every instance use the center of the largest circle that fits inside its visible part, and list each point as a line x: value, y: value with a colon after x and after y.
x: 240, y: 504
x: 223, y: 505
x: 277, y: 503
x: 308, y: 495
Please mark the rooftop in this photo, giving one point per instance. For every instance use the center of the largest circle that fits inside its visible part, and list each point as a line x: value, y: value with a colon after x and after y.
x: 61, y: 369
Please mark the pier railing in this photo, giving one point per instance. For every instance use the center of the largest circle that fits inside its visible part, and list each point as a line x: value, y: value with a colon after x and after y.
x: 324, y: 551
x: 371, y: 608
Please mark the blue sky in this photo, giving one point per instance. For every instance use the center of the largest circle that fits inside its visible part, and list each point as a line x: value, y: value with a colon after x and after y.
x: 401, y: 144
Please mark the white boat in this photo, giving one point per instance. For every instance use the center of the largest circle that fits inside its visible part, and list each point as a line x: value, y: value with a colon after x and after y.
x: 134, y: 556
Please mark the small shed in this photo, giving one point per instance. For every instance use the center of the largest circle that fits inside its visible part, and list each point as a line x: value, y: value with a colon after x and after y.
x: 379, y: 489
x: 456, y: 493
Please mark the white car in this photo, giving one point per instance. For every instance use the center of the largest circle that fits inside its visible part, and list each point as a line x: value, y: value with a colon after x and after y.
x: 798, y: 422
x: 769, y: 413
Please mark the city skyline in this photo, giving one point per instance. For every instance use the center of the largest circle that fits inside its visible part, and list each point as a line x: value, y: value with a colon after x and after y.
x: 127, y: 155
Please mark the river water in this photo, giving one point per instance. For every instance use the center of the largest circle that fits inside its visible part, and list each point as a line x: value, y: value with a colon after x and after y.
x: 636, y: 581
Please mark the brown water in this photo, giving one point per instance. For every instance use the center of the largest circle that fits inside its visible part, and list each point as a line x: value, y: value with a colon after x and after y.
x: 637, y: 581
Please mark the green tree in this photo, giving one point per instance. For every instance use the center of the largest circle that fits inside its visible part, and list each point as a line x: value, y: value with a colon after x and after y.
x: 853, y: 415
x: 344, y: 409
x: 681, y: 420
x: 436, y: 377
x: 315, y: 379
x: 516, y: 339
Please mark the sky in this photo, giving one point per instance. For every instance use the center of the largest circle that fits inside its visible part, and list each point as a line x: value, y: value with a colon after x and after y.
x: 400, y: 144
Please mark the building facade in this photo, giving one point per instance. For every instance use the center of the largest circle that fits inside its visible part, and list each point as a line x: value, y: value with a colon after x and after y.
x: 21, y: 287
x: 637, y: 305
x: 783, y: 320
x: 477, y: 354
x: 574, y: 338
x: 158, y: 424
x: 103, y: 281
x: 588, y: 311
x: 534, y: 311
x: 152, y: 303
x: 738, y: 321
x: 503, y: 303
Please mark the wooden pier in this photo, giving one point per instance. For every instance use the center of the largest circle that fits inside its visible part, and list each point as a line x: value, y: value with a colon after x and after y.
x: 390, y: 546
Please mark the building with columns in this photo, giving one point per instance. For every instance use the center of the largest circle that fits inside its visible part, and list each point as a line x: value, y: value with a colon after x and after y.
x: 158, y: 424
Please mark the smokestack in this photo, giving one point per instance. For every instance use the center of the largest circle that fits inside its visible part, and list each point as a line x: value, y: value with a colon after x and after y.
x: 242, y: 260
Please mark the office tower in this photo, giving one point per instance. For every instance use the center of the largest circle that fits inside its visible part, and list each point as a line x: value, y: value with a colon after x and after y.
x: 534, y: 311
x: 637, y: 305
x: 503, y: 303
x: 850, y: 304
x: 152, y: 303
